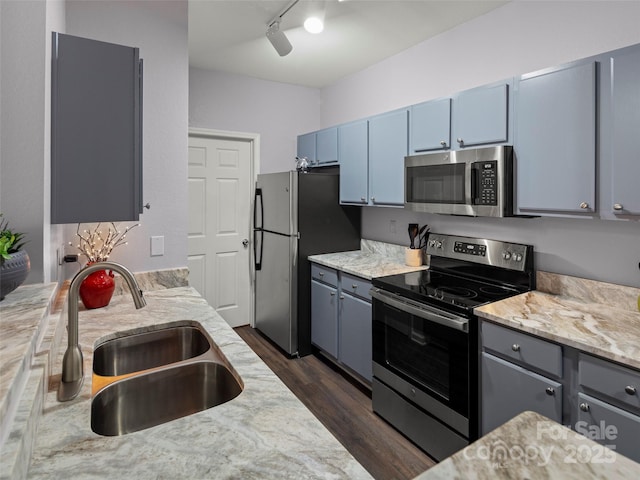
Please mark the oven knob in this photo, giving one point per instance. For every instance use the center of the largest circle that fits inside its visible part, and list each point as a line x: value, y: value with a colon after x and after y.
x: 517, y: 257
x: 438, y: 244
x: 506, y: 255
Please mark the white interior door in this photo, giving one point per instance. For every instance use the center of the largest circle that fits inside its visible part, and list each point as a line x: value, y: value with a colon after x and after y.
x: 220, y: 194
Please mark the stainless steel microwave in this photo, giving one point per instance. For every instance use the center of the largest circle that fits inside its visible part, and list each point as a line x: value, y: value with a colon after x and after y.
x: 474, y: 182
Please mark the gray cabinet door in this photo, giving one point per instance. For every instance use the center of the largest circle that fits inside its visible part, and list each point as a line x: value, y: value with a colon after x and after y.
x: 430, y: 126
x: 324, y: 318
x: 625, y: 125
x: 555, y: 140
x: 96, y: 131
x: 355, y: 335
x: 388, y: 145
x: 480, y: 116
x: 609, y: 425
x: 307, y: 147
x: 353, y: 155
x: 508, y: 390
x: 327, y: 146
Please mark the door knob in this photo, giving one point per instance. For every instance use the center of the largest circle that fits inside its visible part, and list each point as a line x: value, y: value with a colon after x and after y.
x: 245, y: 243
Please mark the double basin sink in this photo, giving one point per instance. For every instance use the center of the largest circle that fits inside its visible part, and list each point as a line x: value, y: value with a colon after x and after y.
x: 141, y: 380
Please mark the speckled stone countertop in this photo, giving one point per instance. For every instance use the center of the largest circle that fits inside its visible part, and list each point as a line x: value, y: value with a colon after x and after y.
x: 374, y: 259
x: 593, y: 317
x: 265, y: 432
x: 531, y: 446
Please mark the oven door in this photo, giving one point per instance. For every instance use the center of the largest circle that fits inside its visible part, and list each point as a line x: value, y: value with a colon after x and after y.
x: 424, y: 347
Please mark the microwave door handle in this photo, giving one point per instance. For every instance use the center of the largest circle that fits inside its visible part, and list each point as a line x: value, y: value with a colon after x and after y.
x: 474, y: 185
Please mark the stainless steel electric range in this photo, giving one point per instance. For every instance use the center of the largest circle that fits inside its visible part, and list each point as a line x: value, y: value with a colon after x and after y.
x: 425, y: 337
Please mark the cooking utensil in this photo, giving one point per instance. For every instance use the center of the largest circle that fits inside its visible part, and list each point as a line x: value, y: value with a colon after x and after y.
x: 413, y: 233
x: 423, y: 235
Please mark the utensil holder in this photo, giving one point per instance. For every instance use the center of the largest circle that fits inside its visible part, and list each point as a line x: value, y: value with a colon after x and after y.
x: 413, y: 257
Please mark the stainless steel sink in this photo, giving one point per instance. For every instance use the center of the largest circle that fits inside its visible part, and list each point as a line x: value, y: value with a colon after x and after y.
x: 143, y: 351
x: 153, y: 398
x: 145, y: 379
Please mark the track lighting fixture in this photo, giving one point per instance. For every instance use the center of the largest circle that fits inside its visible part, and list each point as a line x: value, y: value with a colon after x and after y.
x: 277, y: 37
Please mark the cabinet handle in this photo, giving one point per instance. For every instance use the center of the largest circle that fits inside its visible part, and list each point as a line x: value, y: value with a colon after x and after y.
x: 584, y: 205
x: 584, y: 407
x: 515, y: 347
x: 460, y: 141
x: 321, y: 274
x: 630, y: 390
x: 550, y: 391
x: 617, y: 206
x: 443, y: 143
x: 354, y: 286
x: 362, y: 199
x: 332, y: 293
x: 341, y: 297
x: 373, y: 199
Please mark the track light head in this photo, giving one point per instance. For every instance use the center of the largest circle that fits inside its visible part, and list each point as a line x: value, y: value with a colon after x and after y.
x: 278, y: 39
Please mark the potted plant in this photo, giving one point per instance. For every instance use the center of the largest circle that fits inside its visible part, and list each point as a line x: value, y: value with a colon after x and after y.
x: 14, y: 261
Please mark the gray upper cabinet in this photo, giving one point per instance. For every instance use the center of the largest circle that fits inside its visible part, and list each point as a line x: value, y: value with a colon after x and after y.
x: 96, y: 131
x: 555, y: 140
x: 307, y: 147
x: 388, y: 145
x: 481, y: 116
x: 623, y: 119
x: 353, y: 155
x: 327, y: 146
x: 430, y: 126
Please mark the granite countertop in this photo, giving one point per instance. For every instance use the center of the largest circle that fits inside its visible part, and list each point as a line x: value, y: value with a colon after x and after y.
x: 374, y: 259
x: 590, y: 316
x: 532, y: 446
x: 265, y: 432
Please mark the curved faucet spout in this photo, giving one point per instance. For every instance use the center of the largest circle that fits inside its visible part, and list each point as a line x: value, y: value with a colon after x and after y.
x: 72, y: 367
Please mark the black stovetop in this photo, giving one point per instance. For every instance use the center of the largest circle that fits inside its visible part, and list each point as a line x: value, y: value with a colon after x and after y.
x: 445, y: 289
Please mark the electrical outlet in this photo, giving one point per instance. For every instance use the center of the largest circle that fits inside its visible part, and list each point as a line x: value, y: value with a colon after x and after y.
x: 157, y: 246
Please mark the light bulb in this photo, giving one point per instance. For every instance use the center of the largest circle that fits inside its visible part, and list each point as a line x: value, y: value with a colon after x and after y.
x: 313, y: 25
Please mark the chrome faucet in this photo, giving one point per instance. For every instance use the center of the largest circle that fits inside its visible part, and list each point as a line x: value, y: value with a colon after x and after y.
x: 72, y: 367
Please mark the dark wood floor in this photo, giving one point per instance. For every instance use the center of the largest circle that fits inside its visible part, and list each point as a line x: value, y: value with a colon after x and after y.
x: 344, y: 408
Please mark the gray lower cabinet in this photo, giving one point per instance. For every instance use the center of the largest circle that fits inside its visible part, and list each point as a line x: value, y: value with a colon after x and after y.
x: 341, y: 319
x: 609, y: 404
x: 324, y: 317
x: 597, y: 398
x: 555, y: 140
x: 508, y: 390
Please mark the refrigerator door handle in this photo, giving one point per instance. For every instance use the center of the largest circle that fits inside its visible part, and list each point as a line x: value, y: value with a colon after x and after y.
x: 258, y: 258
x: 258, y: 194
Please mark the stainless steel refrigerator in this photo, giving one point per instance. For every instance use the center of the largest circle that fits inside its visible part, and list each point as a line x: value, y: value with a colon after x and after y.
x: 295, y: 215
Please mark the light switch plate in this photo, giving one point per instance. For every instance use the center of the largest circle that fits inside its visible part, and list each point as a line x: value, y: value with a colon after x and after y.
x: 157, y: 246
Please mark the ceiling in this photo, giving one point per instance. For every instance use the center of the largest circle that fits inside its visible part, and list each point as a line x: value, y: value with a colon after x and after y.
x: 229, y: 35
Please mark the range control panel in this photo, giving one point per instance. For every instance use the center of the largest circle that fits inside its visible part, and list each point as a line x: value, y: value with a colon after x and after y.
x: 470, y: 248
x: 496, y: 253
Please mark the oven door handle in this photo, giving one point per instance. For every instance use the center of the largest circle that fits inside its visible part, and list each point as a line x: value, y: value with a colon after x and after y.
x: 420, y: 310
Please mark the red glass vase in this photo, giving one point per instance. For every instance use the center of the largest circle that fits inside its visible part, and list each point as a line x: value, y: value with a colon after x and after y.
x: 97, y: 289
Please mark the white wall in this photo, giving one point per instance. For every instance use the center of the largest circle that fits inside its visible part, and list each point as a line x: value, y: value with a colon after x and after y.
x: 279, y: 112
x: 159, y: 30
x: 520, y: 37
x: 25, y: 120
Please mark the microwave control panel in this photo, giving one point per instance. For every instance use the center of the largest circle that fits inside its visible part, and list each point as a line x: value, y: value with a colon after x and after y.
x: 487, y: 186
